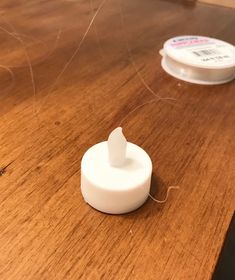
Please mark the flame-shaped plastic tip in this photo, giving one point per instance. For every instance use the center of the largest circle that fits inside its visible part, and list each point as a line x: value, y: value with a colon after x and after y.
x: 117, y: 147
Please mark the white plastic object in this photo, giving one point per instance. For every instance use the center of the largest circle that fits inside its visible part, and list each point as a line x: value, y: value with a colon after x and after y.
x: 113, y: 184
x: 199, y: 60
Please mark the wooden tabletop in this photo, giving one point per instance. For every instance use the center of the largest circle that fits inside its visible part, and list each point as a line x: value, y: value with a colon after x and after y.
x: 72, y: 71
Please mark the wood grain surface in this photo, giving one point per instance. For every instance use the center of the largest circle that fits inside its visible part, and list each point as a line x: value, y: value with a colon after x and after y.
x: 226, y: 3
x: 46, y: 229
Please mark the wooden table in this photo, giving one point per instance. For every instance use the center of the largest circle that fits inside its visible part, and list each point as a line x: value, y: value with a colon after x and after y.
x: 82, y: 92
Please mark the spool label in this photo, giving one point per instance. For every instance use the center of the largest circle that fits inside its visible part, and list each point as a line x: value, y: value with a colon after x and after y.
x: 201, y: 51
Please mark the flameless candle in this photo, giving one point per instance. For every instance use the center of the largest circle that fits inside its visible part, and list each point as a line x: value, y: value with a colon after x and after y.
x: 115, y: 175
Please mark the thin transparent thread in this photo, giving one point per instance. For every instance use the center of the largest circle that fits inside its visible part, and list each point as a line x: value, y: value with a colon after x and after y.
x: 17, y: 36
x: 101, y: 52
x: 75, y: 52
x: 15, y: 33
x: 167, y: 194
x: 36, y: 112
x: 157, y: 98
x: 134, y: 64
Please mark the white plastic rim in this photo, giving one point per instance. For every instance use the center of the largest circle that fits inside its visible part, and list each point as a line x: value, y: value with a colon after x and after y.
x: 195, y: 75
x: 198, y: 59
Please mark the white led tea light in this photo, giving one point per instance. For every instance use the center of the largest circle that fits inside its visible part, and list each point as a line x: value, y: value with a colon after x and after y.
x: 116, y: 175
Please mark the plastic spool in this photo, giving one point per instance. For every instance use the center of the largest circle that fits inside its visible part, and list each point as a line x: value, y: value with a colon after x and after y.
x: 199, y: 60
